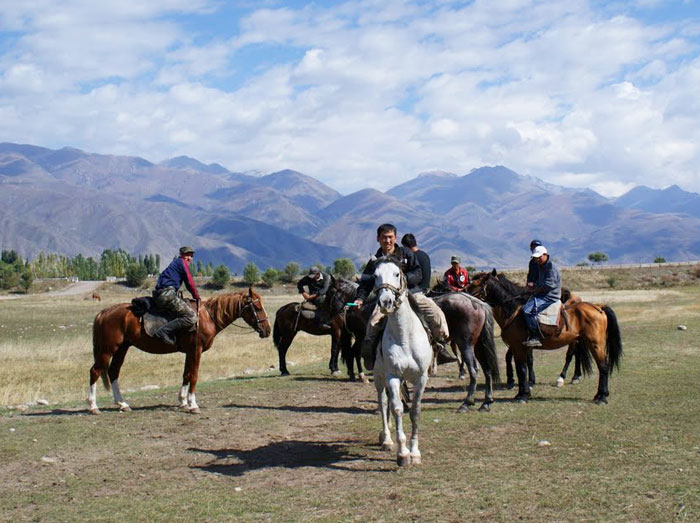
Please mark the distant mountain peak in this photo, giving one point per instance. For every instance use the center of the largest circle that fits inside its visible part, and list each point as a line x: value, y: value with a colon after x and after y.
x: 186, y: 162
x: 436, y: 174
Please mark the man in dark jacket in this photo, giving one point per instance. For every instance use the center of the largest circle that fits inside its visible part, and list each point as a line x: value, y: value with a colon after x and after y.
x: 167, y: 300
x: 532, y: 266
x: 386, y: 236
x: 317, y: 284
x: 546, y: 290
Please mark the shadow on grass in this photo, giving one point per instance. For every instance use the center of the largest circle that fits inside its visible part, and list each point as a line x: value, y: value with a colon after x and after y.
x: 288, y: 454
x: 317, y: 409
x: 104, y: 410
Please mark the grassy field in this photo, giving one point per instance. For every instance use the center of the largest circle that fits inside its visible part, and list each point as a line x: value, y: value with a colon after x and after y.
x: 305, y: 446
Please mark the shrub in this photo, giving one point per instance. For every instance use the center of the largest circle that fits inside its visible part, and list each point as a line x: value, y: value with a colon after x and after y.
x: 251, y: 274
x: 344, y: 268
x: 220, y: 276
x: 611, y: 281
x: 598, y: 257
x: 659, y: 259
x: 290, y: 272
x: 136, y: 274
x: 270, y: 276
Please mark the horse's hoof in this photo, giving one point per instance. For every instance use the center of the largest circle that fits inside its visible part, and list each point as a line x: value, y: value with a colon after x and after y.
x: 463, y: 408
x: 560, y: 382
x: 531, y: 383
x: 403, y: 461
x: 510, y: 385
x: 124, y: 408
x: 335, y: 373
x: 575, y: 381
x: 95, y: 411
x: 463, y: 377
x: 364, y: 378
x: 195, y: 411
x: 416, y: 460
x: 387, y: 446
x: 520, y: 398
x: 485, y: 408
x: 600, y: 400
x: 284, y: 373
x: 470, y: 401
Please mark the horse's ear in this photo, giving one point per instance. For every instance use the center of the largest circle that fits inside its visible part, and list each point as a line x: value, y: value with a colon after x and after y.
x: 493, y: 272
x: 250, y: 291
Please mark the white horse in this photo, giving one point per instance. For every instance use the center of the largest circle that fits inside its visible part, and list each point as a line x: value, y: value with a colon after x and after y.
x: 404, y: 354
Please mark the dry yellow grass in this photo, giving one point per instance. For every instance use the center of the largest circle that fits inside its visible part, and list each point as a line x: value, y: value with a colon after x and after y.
x: 46, y: 350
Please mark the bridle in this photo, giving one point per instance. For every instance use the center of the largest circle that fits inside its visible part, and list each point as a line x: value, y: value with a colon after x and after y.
x: 398, y: 292
x: 249, y: 302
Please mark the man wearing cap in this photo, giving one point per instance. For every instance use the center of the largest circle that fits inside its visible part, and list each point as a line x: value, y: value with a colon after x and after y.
x: 317, y: 283
x: 532, y: 266
x: 546, y: 288
x: 167, y: 300
x: 456, y: 277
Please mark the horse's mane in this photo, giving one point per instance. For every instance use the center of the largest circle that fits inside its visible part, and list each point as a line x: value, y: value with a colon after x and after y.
x: 506, y: 293
x: 346, y: 287
x: 511, y: 287
x: 220, y: 307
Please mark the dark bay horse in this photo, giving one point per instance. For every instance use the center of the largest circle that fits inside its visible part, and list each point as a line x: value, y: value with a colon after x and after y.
x: 288, y: 322
x: 116, y: 328
x: 471, y: 330
x: 591, y: 328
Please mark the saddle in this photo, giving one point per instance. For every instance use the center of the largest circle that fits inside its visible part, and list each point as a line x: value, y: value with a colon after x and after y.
x: 553, y: 319
x: 152, y: 318
x: 306, y: 309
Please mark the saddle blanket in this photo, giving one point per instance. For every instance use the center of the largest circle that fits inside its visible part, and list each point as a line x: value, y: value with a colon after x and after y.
x: 550, y: 315
x: 152, y: 318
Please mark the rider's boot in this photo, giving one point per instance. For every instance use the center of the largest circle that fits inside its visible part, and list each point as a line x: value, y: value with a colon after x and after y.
x: 167, y: 332
x: 443, y: 355
x: 533, y: 340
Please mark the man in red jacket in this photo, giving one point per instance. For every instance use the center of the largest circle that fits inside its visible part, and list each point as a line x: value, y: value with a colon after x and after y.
x: 456, y: 277
x: 165, y: 295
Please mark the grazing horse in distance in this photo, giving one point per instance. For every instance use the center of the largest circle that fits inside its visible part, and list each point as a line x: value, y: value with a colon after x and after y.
x: 117, y: 328
x: 590, y: 328
x: 404, y: 353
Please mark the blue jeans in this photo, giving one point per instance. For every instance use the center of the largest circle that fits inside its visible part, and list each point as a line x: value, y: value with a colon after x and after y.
x: 532, y: 308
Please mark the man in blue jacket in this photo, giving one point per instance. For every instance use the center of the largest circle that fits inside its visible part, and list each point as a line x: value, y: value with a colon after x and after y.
x: 167, y: 300
x: 546, y: 287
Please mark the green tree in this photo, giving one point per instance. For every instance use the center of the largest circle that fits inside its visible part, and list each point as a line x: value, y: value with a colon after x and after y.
x: 598, y: 257
x: 659, y: 259
x: 291, y: 271
x: 344, y: 268
x: 136, y: 273
x: 220, y: 276
x: 270, y: 276
x: 26, y: 279
x: 251, y: 274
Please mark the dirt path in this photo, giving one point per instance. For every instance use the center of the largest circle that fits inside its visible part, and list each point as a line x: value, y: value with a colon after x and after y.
x: 81, y: 287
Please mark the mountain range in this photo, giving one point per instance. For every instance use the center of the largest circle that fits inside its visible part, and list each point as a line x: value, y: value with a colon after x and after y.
x: 70, y: 201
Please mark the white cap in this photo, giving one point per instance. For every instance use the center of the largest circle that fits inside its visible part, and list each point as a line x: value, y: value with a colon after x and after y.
x: 539, y: 251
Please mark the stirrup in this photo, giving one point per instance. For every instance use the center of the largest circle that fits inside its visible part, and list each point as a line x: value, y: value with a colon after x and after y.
x: 533, y: 342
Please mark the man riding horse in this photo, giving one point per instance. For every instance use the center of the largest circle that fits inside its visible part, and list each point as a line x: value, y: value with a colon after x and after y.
x: 317, y: 284
x: 546, y: 287
x: 167, y: 300
x: 432, y: 314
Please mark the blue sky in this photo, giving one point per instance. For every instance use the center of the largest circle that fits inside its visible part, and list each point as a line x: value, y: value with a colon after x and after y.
x: 365, y: 93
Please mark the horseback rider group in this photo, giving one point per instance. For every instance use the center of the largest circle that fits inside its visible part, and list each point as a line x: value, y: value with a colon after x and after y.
x: 543, y: 280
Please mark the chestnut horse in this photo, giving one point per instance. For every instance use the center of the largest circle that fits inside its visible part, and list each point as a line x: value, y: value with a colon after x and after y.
x: 116, y: 328
x: 590, y: 327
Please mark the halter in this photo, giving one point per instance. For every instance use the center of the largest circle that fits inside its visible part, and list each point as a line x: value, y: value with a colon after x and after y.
x: 397, y: 292
x: 249, y: 303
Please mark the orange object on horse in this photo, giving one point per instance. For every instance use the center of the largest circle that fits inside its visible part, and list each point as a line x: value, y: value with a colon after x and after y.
x: 117, y: 328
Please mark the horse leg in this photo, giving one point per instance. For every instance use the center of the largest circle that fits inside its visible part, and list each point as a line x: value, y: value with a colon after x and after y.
x: 510, y: 381
x: 113, y: 373
x: 99, y: 368
x: 470, y: 361
x: 520, y: 356
x: 357, y: 355
x: 488, y: 392
x: 597, y: 349
x: 578, y: 371
x: 333, y: 362
x: 418, y: 388
x: 567, y: 361
x: 531, y: 367
x: 190, y: 377
x: 403, y: 456
x: 383, y: 402
x: 460, y: 358
x: 282, y: 348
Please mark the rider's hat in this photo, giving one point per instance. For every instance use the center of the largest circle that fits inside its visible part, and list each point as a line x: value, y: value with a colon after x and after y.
x: 455, y: 259
x: 539, y: 251
x: 535, y: 243
x: 314, y: 270
x: 186, y: 250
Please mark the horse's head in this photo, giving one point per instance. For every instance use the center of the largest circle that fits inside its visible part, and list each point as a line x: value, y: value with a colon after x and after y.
x: 390, y: 284
x: 479, y: 284
x: 340, y: 292
x: 253, y: 313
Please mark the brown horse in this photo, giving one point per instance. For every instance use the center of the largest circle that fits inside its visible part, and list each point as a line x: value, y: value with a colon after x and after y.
x: 590, y: 328
x: 288, y: 322
x: 116, y: 328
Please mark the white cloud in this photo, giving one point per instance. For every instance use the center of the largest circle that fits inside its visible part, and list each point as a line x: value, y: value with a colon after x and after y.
x: 364, y: 93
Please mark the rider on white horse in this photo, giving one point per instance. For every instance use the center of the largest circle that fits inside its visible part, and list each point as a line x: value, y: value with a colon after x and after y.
x: 433, y: 315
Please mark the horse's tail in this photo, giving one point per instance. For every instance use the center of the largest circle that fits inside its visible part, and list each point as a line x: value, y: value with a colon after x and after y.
x: 96, y: 348
x: 583, y: 355
x: 487, y: 346
x: 346, y: 345
x: 277, y: 331
x: 614, y: 342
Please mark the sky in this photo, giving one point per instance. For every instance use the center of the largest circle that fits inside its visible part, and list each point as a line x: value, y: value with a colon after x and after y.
x: 368, y: 93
